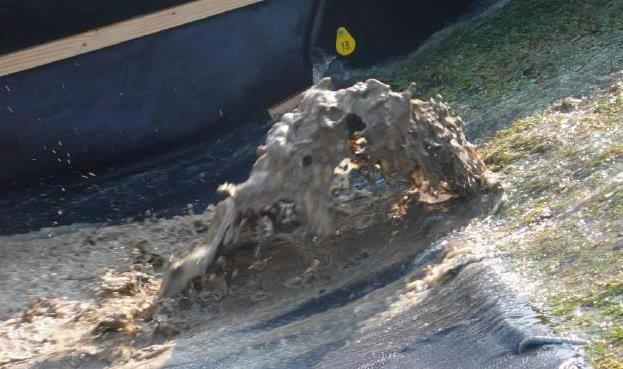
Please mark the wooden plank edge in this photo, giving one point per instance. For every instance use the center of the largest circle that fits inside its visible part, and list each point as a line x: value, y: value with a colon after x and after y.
x: 116, y: 33
x: 286, y: 105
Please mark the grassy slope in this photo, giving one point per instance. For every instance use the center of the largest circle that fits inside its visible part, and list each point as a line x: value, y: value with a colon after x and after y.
x: 562, y: 163
x: 563, y: 217
x: 516, y: 60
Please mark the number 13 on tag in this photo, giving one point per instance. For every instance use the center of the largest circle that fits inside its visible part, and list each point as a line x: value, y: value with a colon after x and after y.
x: 345, y: 43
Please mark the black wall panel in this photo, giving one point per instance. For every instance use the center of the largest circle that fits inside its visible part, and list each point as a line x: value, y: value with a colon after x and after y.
x: 386, y: 28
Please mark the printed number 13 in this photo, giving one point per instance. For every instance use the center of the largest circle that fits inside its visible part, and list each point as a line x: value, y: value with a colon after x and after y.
x: 345, y: 43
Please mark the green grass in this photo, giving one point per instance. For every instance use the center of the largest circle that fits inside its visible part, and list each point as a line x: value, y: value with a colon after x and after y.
x: 504, y: 73
x: 516, y: 60
x: 501, y: 71
x: 568, y: 174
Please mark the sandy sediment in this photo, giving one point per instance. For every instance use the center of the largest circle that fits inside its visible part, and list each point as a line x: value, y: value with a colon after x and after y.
x: 341, y: 162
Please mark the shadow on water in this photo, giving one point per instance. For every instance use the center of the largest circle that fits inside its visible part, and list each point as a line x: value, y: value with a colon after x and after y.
x: 416, y: 239
x: 374, y: 280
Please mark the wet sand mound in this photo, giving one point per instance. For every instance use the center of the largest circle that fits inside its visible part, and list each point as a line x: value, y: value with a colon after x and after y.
x: 367, y: 124
x: 338, y: 252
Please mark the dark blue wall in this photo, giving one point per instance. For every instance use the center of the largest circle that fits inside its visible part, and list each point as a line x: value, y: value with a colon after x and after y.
x: 139, y: 107
x: 151, y: 94
x: 177, y: 87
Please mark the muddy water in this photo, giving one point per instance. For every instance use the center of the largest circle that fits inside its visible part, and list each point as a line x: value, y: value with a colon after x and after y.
x: 360, y: 312
x: 351, y: 301
x: 345, y: 302
x: 382, y: 292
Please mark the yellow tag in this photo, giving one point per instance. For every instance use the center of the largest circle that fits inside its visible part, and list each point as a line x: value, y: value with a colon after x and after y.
x: 345, y: 44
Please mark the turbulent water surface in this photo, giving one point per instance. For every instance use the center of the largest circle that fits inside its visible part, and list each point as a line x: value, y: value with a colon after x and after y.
x: 345, y: 302
x: 381, y: 293
x: 370, y: 317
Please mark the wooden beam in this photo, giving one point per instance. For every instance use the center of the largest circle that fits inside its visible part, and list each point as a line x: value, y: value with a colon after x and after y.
x: 284, y: 106
x: 115, y: 34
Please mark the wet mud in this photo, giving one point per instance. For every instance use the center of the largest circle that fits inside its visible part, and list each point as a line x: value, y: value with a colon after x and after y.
x: 387, y: 286
x: 399, y: 290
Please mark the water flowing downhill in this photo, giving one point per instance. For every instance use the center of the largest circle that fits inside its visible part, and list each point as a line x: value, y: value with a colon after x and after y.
x: 385, y: 291
x: 370, y: 319
x: 357, y: 230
